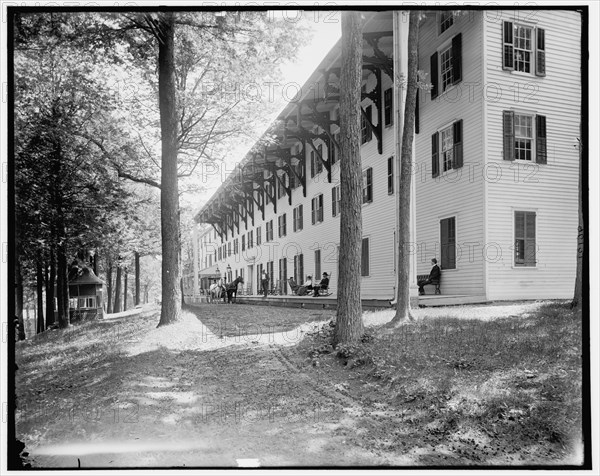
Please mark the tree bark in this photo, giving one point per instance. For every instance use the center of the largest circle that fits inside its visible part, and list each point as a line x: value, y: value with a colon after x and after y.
x: 125, y: 290
x: 19, y: 298
x: 117, y: 303
x: 169, y: 193
x: 137, y: 278
x: 578, y: 293
x: 349, y: 325
x: 109, y: 289
x: 50, y: 289
x: 404, y: 245
x: 39, y: 268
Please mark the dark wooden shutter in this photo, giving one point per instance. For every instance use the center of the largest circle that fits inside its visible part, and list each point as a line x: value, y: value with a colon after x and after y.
x: 508, y: 58
x: 458, y: 145
x: 417, y: 115
x: 508, y: 127
x: 541, y: 153
x: 435, y: 166
x: 313, y: 211
x: 434, y: 75
x: 369, y: 111
x: 333, y: 204
x: 369, y: 184
x: 364, y: 258
x: 540, y: 53
x: 300, y: 217
x: 530, y: 239
x: 457, y: 59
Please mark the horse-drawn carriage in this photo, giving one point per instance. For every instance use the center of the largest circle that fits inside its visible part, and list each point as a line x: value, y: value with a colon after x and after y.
x: 222, y: 290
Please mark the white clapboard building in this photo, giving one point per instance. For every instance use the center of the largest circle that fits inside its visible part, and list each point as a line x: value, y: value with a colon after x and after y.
x: 496, y: 165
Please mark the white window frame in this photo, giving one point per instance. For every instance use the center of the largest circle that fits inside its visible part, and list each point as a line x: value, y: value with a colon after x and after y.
x: 532, y: 138
x: 513, y: 210
x: 531, y: 50
x: 445, y: 22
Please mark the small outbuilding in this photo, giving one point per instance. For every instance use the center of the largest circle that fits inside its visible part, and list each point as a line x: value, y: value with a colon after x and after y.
x: 86, y: 295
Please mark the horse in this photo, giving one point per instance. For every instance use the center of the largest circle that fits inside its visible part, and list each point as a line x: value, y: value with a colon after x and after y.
x: 217, y: 291
x: 232, y: 288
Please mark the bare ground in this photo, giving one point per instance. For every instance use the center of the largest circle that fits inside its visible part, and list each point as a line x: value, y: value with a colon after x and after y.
x: 242, y: 387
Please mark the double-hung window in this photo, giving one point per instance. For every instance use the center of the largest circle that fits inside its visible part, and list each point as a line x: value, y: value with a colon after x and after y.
x: 524, y: 136
x: 446, y: 66
x: 258, y: 236
x: 524, y: 48
x: 525, y: 246
x: 298, y: 218
x: 335, y: 200
x: 388, y: 110
x: 446, y: 20
x: 366, y: 133
x: 317, y: 209
x: 282, y: 222
x: 390, y: 175
x: 367, y: 187
x: 447, y: 148
x: 269, y: 231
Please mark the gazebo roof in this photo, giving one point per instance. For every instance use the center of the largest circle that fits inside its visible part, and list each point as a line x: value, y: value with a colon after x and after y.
x: 87, y: 276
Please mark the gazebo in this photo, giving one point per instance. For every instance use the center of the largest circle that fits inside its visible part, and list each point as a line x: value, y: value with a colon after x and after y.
x: 86, y: 296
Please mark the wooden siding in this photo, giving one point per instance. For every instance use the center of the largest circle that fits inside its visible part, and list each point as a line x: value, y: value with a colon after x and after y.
x: 548, y: 189
x: 459, y: 192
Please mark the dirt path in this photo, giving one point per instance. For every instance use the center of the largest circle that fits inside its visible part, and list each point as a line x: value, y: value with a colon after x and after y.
x: 240, y: 403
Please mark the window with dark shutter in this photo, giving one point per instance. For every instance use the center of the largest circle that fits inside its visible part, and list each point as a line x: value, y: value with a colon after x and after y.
x: 435, y: 165
x: 540, y: 140
x: 320, y: 208
x: 525, y: 239
x: 368, y: 185
x: 313, y: 211
x: 364, y: 258
x: 333, y: 202
x: 388, y: 107
x: 433, y: 63
x: 458, y: 144
x: 540, y: 53
x: 366, y: 116
x: 457, y: 58
x: 507, y: 43
x: 448, y: 242
x: 508, y: 132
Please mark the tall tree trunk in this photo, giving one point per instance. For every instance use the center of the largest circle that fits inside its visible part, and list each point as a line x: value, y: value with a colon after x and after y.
x: 125, y: 290
x: 62, y: 288
x: 39, y: 268
x: 349, y: 325
x: 137, y: 278
x: 109, y: 272
x: 117, y: 303
x: 404, y: 241
x: 50, y: 294
x: 19, y: 298
x: 169, y: 194
x: 577, y: 295
x: 94, y: 260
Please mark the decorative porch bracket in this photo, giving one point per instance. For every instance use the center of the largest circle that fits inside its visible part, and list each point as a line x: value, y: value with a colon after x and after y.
x: 273, y: 168
x: 286, y: 156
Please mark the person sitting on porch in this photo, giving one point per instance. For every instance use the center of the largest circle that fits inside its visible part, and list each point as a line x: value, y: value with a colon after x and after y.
x: 433, y: 278
x: 323, y: 285
x: 307, y: 286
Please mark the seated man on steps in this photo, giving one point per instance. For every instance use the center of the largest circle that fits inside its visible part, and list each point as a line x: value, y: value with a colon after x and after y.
x: 323, y: 285
x: 434, y: 277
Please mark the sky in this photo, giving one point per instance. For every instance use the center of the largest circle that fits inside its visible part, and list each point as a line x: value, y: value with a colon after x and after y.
x: 326, y: 28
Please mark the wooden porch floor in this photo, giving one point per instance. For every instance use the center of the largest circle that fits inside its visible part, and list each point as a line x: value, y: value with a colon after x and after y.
x: 330, y: 302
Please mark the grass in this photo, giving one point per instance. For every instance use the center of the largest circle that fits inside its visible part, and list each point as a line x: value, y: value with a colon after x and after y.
x: 493, y: 391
